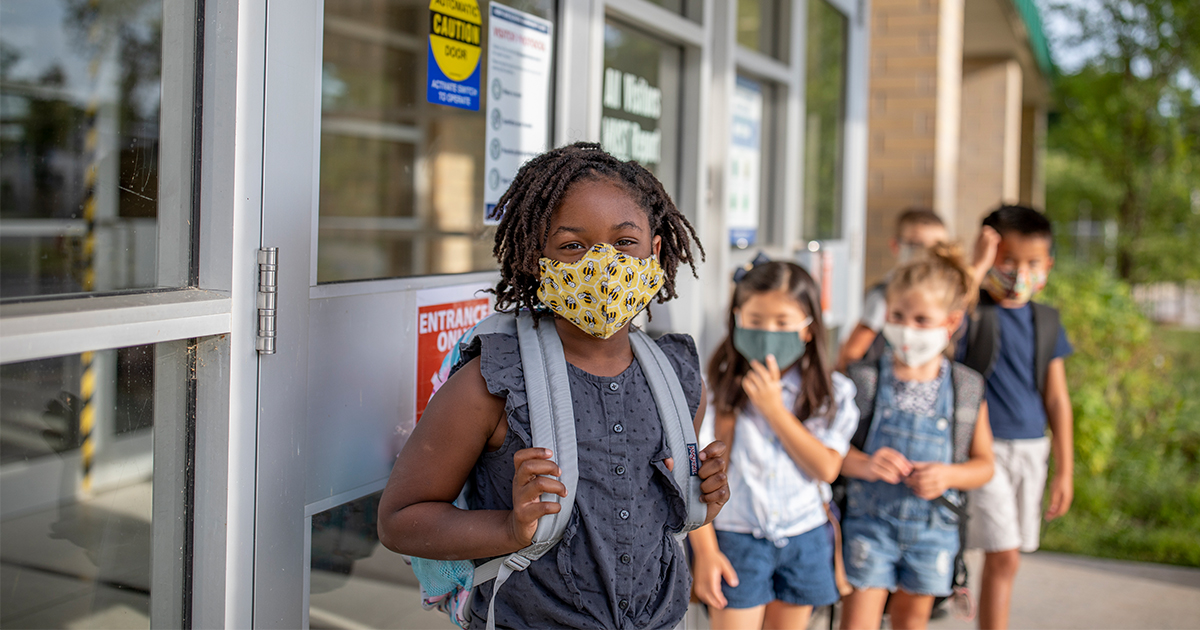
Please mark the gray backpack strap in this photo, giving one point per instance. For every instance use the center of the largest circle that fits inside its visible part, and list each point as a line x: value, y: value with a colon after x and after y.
x: 968, y: 394
x: 677, y: 423
x: 551, y: 419
x: 552, y: 425
x: 865, y: 375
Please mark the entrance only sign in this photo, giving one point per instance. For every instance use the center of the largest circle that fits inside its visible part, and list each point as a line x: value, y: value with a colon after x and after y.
x: 443, y: 315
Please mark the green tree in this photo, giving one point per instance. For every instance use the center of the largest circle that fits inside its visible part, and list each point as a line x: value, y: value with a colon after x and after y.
x: 1128, y: 121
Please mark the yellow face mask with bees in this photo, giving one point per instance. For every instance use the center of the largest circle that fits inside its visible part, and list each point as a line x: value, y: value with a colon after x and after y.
x: 602, y: 291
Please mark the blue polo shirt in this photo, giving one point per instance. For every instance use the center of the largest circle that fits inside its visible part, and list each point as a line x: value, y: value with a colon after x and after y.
x: 1016, y: 410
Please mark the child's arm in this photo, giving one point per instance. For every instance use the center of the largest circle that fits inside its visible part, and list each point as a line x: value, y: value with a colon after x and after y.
x: 930, y: 480
x: 762, y: 385
x: 415, y: 513
x: 709, y: 566
x: 856, y: 346
x: 985, y: 253
x: 714, y: 484
x: 885, y: 464
x: 1062, y: 439
x: 724, y: 427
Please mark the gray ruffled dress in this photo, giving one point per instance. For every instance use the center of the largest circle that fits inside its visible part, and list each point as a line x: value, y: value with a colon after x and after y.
x: 618, y: 565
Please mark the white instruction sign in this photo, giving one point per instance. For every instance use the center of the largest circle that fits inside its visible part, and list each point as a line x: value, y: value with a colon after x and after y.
x: 518, y: 98
x: 745, y: 160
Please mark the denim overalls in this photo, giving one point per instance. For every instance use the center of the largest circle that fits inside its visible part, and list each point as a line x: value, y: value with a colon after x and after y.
x: 892, y: 537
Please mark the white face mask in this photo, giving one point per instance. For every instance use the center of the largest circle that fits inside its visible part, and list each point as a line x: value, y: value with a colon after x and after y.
x: 916, y: 346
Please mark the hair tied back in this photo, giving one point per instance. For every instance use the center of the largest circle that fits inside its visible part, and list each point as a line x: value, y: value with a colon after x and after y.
x: 740, y: 272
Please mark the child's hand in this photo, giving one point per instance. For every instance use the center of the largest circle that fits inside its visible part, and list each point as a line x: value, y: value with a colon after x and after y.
x: 1062, y: 491
x: 707, y: 573
x: 714, y: 483
x: 985, y: 252
x: 534, y: 476
x: 762, y: 385
x: 890, y: 466
x: 928, y: 480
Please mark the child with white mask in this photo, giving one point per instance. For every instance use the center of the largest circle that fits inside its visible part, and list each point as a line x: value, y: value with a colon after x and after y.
x: 923, y: 438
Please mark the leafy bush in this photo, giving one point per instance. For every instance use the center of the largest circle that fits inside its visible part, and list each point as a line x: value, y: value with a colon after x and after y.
x: 1134, y: 392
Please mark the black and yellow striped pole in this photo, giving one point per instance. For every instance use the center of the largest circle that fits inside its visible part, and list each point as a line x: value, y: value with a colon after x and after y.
x: 87, y: 419
x: 87, y: 280
x: 91, y: 142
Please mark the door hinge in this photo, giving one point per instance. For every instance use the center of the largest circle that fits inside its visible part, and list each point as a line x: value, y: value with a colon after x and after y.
x: 267, y: 288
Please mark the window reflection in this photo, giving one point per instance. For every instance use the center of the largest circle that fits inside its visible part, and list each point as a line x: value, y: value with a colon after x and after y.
x: 674, y: 6
x: 825, y: 99
x: 355, y: 581
x: 640, y: 98
x: 76, y: 467
x: 762, y: 26
x: 401, y: 184
x: 79, y: 146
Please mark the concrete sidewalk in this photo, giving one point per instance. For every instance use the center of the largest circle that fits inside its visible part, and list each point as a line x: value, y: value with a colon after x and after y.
x: 1055, y: 590
x: 1052, y: 591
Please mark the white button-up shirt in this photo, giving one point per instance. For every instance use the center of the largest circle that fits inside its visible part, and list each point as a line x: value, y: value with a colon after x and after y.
x: 769, y: 495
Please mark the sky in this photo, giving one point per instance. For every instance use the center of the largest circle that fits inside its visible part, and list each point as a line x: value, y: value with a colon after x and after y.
x: 1068, y: 59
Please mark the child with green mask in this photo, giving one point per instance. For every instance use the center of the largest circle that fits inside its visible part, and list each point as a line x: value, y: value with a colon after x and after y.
x: 767, y: 559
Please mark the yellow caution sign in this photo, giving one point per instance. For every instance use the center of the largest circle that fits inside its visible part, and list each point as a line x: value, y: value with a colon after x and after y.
x: 455, y: 36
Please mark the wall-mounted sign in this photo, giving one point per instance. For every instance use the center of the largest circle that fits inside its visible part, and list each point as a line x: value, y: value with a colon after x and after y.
x: 455, y: 30
x: 518, y: 97
x: 744, y: 170
x: 443, y: 315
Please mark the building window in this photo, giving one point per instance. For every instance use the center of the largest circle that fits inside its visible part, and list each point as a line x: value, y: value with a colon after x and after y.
x: 825, y: 105
x: 79, y: 517
x: 82, y: 205
x: 762, y: 26
x: 402, y: 180
x: 641, y: 104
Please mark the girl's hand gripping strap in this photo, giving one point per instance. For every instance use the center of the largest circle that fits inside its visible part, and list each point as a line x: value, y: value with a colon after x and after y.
x: 551, y: 419
x: 552, y: 423
x: 677, y: 425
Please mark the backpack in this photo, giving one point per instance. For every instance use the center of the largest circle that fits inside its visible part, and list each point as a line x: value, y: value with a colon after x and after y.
x: 968, y: 387
x: 448, y: 585
x: 983, y: 337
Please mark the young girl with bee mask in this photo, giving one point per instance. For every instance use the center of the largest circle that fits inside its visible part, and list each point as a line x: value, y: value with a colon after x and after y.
x: 586, y: 241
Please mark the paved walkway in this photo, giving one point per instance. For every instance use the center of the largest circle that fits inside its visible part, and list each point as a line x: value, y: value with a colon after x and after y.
x: 56, y: 567
x: 1052, y: 591
x: 1056, y: 590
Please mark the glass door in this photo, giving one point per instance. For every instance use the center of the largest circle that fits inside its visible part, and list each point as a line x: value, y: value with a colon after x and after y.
x: 374, y: 194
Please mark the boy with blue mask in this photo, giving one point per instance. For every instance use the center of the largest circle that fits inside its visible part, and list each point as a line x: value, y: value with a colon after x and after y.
x: 1019, y: 346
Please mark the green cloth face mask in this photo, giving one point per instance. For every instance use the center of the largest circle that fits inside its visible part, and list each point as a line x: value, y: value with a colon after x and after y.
x: 755, y: 345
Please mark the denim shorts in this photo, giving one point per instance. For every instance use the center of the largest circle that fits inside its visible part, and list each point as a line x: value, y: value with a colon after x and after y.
x: 886, y: 553
x: 800, y: 572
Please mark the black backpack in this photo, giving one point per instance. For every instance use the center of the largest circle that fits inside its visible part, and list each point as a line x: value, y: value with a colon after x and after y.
x: 983, y: 337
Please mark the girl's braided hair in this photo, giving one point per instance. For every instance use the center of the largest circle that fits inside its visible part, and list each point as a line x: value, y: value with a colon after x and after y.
x: 539, y: 188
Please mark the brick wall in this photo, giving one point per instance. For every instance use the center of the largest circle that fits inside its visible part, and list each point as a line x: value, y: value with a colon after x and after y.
x: 902, y: 119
